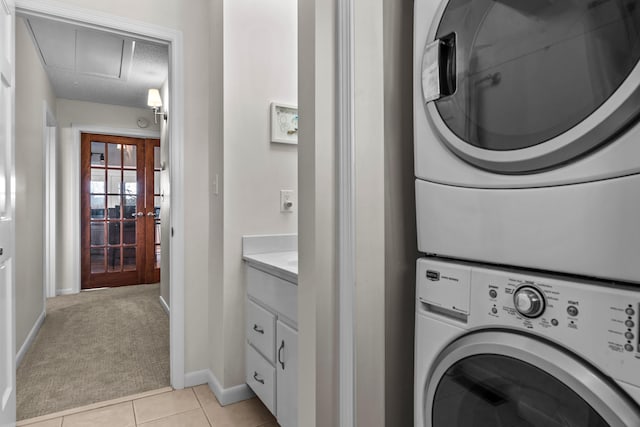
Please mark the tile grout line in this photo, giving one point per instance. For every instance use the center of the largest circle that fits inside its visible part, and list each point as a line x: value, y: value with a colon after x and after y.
x: 206, y: 416
x: 133, y: 409
x: 177, y: 413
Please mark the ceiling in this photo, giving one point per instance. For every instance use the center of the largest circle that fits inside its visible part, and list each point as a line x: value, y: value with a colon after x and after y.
x: 98, y: 66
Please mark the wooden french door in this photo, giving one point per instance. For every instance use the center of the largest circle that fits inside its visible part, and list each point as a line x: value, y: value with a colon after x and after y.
x: 120, y: 202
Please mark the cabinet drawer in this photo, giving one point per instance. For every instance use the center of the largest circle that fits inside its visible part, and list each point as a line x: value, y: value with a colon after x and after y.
x: 261, y: 326
x: 261, y: 377
x: 273, y: 292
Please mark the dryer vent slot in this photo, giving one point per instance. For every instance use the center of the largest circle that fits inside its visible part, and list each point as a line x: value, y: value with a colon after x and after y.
x: 444, y: 312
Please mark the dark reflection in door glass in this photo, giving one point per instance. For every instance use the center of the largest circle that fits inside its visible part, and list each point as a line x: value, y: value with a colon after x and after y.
x: 97, y: 260
x: 97, y: 154
x: 498, y: 391
x: 114, y: 233
x: 97, y: 207
x: 529, y: 70
x: 129, y: 259
x: 97, y: 233
x: 113, y: 259
x: 129, y: 232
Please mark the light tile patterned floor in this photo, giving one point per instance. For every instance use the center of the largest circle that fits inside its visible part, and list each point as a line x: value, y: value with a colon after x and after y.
x: 191, y: 407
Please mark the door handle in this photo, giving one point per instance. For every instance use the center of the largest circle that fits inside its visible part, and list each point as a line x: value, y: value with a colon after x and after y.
x: 280, y: 353
x: 135, y: 214
x: 258, y: 329
x: 257, y: 377
x: 153, y: 214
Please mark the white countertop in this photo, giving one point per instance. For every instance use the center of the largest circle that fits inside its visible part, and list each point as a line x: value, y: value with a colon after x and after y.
x: 275, y: 254
x: 280, y: 264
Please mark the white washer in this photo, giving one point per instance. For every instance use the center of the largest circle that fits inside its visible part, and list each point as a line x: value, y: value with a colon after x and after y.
x: 527, y: 139
x: 508, y: 348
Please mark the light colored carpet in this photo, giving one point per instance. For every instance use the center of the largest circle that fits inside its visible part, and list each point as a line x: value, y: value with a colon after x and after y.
x: 95, y: 346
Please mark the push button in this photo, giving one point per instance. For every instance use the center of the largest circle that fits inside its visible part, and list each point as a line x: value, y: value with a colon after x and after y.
x: 629, y: 335
x: 630, y: 311
x: 573, y: 310
x: 628, y: 347
x: 629, y: 324
x: 493, y: 293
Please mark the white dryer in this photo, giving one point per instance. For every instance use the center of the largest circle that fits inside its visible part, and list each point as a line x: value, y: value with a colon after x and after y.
x: 506, y: 348
x: 527, y: 138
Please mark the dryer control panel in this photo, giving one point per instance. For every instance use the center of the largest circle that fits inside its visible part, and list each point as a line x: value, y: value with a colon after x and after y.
x: 596, y: 320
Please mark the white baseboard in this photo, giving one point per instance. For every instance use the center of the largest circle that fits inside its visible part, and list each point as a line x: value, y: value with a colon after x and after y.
x: 164, y: 305
x: 225, y: 396
x: 67, y: 291
x: 29, y: 340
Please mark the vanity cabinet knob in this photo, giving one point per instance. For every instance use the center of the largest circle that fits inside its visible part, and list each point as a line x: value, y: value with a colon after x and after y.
x: 258, y: 329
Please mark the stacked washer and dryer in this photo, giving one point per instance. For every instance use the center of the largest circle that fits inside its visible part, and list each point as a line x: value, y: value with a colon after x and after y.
x: 527, y: 159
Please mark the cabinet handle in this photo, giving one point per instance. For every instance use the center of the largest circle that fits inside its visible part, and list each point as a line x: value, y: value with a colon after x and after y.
x: 258, y: 329
x: 257, y: 377
x: 279, y: 353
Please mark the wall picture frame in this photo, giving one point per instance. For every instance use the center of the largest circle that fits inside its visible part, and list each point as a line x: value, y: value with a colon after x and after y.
x: 284, y: 123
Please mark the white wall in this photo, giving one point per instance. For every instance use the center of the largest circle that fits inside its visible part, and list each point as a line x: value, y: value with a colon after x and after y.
x: 260, y: 66
x: 193, y: 22
x: 32, y: 88
x: 79, y: 113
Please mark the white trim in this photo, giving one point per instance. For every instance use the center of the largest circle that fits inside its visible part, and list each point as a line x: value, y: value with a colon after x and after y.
x: 92, y: 18
x: 165, y: 306
x: 346, y: 216
x: 49, y: 142
x: 77, y: 131
x: 66, y: 291
x: 226, y: 396
x: 29, y: 340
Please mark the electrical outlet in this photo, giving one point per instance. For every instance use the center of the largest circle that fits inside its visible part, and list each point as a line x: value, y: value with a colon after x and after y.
x: 286, y: 200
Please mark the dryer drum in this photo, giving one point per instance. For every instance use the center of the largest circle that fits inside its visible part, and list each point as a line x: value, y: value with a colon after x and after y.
x: 537, y: 83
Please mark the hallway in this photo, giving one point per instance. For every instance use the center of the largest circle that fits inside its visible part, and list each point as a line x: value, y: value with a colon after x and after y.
x: 95, y: 346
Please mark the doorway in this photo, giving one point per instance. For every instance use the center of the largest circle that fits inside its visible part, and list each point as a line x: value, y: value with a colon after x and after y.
x: 120, y: 210
x: 175, y: 152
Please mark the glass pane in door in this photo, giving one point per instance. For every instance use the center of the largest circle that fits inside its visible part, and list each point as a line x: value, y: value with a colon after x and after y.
x: 528, y: 71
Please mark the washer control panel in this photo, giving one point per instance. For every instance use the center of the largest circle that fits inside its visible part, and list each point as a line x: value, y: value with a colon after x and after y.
x: 596, y: 320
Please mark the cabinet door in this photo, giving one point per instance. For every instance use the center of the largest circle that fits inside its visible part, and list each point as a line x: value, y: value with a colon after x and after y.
x: 287, y: 375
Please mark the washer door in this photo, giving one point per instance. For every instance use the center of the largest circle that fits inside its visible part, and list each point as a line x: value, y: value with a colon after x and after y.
x: 529, y: 84
x: 504, y: 379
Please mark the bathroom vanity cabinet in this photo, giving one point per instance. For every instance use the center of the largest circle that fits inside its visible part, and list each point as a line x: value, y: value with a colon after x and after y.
x: 271, y: 333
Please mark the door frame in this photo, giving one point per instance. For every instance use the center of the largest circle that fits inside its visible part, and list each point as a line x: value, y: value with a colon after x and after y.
x: 49, y: 138
x: 174, y: 39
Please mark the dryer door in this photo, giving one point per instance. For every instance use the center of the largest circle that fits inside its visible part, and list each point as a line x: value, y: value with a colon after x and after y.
x: 525, y: 85
x: 504, y: 379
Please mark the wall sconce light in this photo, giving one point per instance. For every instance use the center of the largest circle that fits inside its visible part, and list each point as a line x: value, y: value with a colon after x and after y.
x: 155, y: 102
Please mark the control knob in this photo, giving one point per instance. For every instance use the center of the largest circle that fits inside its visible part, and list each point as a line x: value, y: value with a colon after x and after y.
x: 529, y: 301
